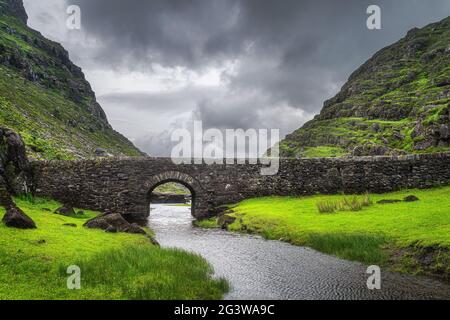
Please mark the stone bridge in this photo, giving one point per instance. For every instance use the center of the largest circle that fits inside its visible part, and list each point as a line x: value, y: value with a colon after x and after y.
x: 125, y: 185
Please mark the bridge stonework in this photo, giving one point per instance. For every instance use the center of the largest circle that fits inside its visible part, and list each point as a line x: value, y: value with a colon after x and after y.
x: 124, y: 185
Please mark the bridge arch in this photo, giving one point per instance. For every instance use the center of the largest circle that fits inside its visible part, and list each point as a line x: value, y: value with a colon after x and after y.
x: 178, y: 177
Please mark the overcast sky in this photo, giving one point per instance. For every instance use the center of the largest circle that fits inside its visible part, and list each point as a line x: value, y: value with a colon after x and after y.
x: 156, y: 65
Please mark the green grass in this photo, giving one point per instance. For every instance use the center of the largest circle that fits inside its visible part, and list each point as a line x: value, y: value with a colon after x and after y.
x: 323, y: 152
x: 143, y: 274
x: 28, y: 109
x: 207, y: 223
x: 364, y: 248
x: 172, y: 188
x: 113, y: 266
x: 389, y: 91
x: 52, y: 123
x: 355, y: 203
x: 362, y: 235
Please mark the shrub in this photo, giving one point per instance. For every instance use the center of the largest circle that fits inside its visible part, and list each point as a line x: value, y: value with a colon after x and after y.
x: 354, y: 203
x: 27, y: 197
x: 367, y: 200
x: 139, y: 272
x: 31, y: 199
x: 356, y: 247
x: 327, y: 206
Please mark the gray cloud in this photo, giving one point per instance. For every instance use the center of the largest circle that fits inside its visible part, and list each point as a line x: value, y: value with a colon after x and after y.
x: 198, y: 32
x: 157, y: 145
x: 310, y: 45
x: 170, y: 102
x: 290, y: 55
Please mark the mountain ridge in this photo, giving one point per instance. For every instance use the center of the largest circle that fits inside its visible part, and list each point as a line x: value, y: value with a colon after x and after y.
x: 46, y: 98
x: 395, y: 103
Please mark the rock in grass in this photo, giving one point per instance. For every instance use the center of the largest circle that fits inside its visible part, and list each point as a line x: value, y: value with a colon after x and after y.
x: 16, y: 218
x: 389, y: 201
x: 111, y: 229
x: 66, y: 210
x: 134, y: 228
x: 225, y: 220
x: 72, y: 225
x: 410, y: 198
x: 115, y: 221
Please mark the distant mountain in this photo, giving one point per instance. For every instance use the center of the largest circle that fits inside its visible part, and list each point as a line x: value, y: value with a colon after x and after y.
x: 46, y: 98
x: 396, y: 103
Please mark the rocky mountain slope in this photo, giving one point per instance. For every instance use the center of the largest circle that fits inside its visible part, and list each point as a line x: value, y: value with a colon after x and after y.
x: 396, y: 103
x: 45, y: 98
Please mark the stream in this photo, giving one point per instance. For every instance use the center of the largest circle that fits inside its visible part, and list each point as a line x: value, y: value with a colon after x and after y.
x: 262, y: 269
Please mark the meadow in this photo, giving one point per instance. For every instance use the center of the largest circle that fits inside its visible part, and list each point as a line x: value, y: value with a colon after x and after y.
x: 121, y: 266
x: 411, y: 237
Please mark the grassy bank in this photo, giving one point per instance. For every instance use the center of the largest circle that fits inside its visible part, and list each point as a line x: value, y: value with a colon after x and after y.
x: 407, y: 236
x: 113, y: 266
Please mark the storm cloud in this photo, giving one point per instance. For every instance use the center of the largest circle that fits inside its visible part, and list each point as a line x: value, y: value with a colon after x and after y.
x: 230, y: 63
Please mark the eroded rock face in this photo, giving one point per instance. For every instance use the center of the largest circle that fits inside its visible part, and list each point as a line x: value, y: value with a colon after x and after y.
x: 113, y: 223
x: 14, y: 162
x: 385, y: 89
x: 15, y: 178
x: 14, y: 7
x: 5, y: 197
x: 16, y: 218
x: 375, y: 150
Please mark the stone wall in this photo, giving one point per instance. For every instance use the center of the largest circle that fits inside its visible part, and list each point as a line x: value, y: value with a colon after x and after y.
x: 124, y: 185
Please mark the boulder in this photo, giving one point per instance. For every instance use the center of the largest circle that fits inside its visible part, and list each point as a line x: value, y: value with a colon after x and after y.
x: 16, y: 218
x: 388, y: 201
x: 14, y: 168
x: 376, y: 127
x: 371, y: 150
x: 225, y: 220
x: 410, y: 198
x: 444, y: 131
x: 111, y: 229
x: 134, y: 228
x: 113, y: 223
x: 419, y: 130
x: 66, y: 210
x: 398, y: 136
x: 102, y: 153
x: 423, y: 145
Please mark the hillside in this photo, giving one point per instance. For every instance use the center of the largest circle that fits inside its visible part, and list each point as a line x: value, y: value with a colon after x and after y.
x: 396, y: 103
x: 46, y: 98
